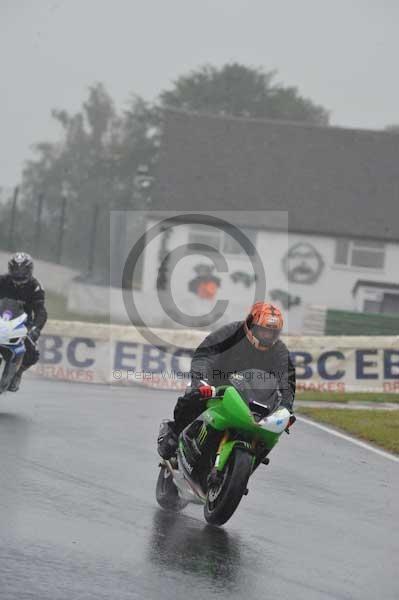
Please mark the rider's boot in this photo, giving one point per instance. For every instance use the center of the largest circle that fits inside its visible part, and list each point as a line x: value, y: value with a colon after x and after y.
x: 167, y: 440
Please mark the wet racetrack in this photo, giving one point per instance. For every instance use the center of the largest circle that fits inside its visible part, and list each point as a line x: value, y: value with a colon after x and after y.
x: 78, y: 517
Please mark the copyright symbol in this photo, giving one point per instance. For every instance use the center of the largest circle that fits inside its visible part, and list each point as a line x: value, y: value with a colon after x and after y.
x: 117, y: 374
x: 168, y: 263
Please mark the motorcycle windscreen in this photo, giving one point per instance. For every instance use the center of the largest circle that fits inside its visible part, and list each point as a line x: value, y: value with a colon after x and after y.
x: 259, y: 389
x: 10, y: 308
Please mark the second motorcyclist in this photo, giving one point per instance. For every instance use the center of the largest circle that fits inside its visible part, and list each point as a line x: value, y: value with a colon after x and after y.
x: 20, y: 284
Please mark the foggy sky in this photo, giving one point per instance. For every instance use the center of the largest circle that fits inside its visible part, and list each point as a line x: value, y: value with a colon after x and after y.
x: 340, y: 53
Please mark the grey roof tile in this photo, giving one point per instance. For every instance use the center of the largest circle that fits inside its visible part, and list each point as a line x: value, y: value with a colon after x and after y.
x: 334, y: 181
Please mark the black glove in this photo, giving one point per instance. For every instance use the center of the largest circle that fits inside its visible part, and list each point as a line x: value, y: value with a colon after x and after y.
x: 290, y: 422
x: 34, y: 334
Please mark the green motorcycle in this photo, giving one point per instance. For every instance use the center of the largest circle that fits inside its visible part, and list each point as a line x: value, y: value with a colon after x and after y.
x: 218, y: 452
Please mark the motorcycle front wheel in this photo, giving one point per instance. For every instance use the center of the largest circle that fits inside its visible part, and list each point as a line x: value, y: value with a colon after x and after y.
x: 9, y: 370
x: 223, y: 498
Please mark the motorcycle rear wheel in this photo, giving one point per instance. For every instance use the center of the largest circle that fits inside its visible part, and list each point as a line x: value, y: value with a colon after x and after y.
x: 221, y: 502
x: 166, y: 492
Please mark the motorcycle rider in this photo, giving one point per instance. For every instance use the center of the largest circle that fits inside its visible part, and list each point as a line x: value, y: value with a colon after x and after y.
x: 19, y: 284
x: 251, y: 344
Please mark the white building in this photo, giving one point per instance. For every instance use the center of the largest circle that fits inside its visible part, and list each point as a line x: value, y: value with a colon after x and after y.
x: 302, y: 270
x: 320, y: 205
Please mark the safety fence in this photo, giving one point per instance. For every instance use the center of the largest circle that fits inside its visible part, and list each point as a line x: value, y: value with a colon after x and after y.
x: 119, y: 355
x: 70, y: 226
x: 63, y: 231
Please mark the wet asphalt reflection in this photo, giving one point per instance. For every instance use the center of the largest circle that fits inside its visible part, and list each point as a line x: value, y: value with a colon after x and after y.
x: 79, y: 520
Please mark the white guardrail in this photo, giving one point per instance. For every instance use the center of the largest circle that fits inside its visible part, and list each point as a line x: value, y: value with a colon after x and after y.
x: 122, y: 355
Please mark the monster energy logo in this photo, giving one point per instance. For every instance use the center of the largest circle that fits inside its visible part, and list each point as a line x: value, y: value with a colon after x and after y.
x: 202, y: 434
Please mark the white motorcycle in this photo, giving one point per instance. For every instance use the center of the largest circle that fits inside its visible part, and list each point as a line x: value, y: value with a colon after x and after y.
x: 13, y: 332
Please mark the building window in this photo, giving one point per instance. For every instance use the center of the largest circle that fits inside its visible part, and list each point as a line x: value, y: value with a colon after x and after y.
x: 360, y: 253
x: 388, y: 305
x: 371, y: 306
x: 208, y: 236
x: 221, y: 241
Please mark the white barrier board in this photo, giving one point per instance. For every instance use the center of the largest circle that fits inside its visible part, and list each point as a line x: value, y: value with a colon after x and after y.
x: 111, y: 354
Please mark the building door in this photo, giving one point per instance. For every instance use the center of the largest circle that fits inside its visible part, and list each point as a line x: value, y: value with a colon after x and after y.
x: 390, y: 304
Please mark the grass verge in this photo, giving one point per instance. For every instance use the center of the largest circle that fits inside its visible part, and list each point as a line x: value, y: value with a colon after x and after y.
x: 381, y: 427
x: 346, y: 397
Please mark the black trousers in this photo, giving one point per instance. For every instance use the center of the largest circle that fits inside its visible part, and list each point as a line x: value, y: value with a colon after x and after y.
x: 187, y: 410
x: 31, y: 355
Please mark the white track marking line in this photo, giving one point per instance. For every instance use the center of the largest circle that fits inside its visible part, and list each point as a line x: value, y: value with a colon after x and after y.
x: 348, y: 438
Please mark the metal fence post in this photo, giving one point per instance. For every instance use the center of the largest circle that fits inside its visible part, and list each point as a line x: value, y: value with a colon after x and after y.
x: 38, y: 224
x: 92, y: 242
x: 13, y: 219
x: 61, y: 230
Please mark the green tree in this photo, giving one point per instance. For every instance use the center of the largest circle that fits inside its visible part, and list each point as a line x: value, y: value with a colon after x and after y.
x: 93, y: 165
x: 100, y: 151
x: 241, y: 91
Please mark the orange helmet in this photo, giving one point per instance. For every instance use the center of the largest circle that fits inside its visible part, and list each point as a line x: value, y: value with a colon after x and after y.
x: 263, y: 325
